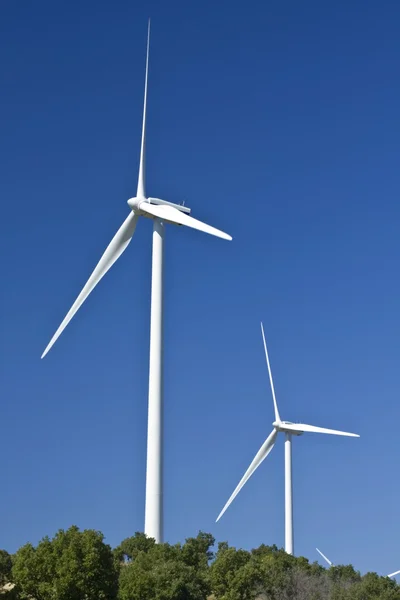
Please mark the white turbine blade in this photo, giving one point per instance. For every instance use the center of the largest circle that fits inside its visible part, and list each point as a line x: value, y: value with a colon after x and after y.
x: 141, y: 180
x: 302, y: 427
x: 257, y: 460
x: 324, y: 557
x: 173, y: 215
x: 113, y: 251
x: 394, y: 574
x: 277, y: 417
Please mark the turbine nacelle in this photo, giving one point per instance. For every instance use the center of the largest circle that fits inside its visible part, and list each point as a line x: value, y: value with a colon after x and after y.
x: 134, y: 204
x: 280, y: 426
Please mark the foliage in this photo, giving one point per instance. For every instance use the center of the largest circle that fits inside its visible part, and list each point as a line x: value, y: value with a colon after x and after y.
x: 226, y: 569
x: 5, y: 567
x: 130, y: 547
x: 77, y: 565
x: 72, y: 566
x: 165, y: 572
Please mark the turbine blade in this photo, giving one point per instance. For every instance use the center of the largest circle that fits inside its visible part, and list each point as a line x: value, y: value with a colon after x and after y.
x: 256, y: 462
x: 173, y: 215
x: 277, y: 417
x: 302, y: 427
x: 113, y: 251
x: 324, y: 557
x: 394, y: 574
x: 141, y: 180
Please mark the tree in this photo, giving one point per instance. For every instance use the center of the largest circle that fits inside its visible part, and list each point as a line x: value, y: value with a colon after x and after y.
x: 5, y: 567
x: 130, y: 547
x: 74, y: 565
x: 373, y: 587
x: 344, y: 573
x: 163, y: 573
x: 225, y: 568
x: 77, y: 565
x: 196, y: 552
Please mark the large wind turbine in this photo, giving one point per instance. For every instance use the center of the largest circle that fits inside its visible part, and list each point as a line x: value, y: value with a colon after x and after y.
x: 289, y: 429
x: 161, y: 212
x: 330, y: 563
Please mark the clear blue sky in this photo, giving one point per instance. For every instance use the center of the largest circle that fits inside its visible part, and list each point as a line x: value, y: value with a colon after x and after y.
x: 276, y: 121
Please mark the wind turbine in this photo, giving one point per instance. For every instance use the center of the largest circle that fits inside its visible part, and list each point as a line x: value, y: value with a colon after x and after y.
x: 330, y: 563
x: 161, y: 212
x: 289, y: 429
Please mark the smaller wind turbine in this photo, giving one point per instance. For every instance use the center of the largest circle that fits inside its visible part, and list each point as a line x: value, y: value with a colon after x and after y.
x: 289, y: 429
x: 332, y: 565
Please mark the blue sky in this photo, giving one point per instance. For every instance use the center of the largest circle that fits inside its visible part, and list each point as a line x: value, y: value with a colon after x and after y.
x: 277, y: 122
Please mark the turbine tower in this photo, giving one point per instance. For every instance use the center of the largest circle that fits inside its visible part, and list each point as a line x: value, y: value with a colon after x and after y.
x: 289, y: 429
x: 330, y: 563
x: 161, y: 212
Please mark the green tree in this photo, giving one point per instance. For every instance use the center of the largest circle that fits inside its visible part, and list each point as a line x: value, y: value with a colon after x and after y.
x: 344, y: 573
x: 74, y: 565
x: 130, y: 547
x: 225, y: 568
x: 196, y: 552
x: 263, y: 549
x: 162, y: 573
x: 5, y: 567
x: 373, y: 587
x: 78, y: 565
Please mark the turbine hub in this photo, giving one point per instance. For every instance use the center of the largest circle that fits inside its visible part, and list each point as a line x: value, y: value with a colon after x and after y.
x: 135, y: 203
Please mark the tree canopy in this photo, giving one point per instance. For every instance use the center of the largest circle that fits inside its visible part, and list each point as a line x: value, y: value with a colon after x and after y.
x: 74, y: 565
x: 79, y: 565
x: 5, y: 567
